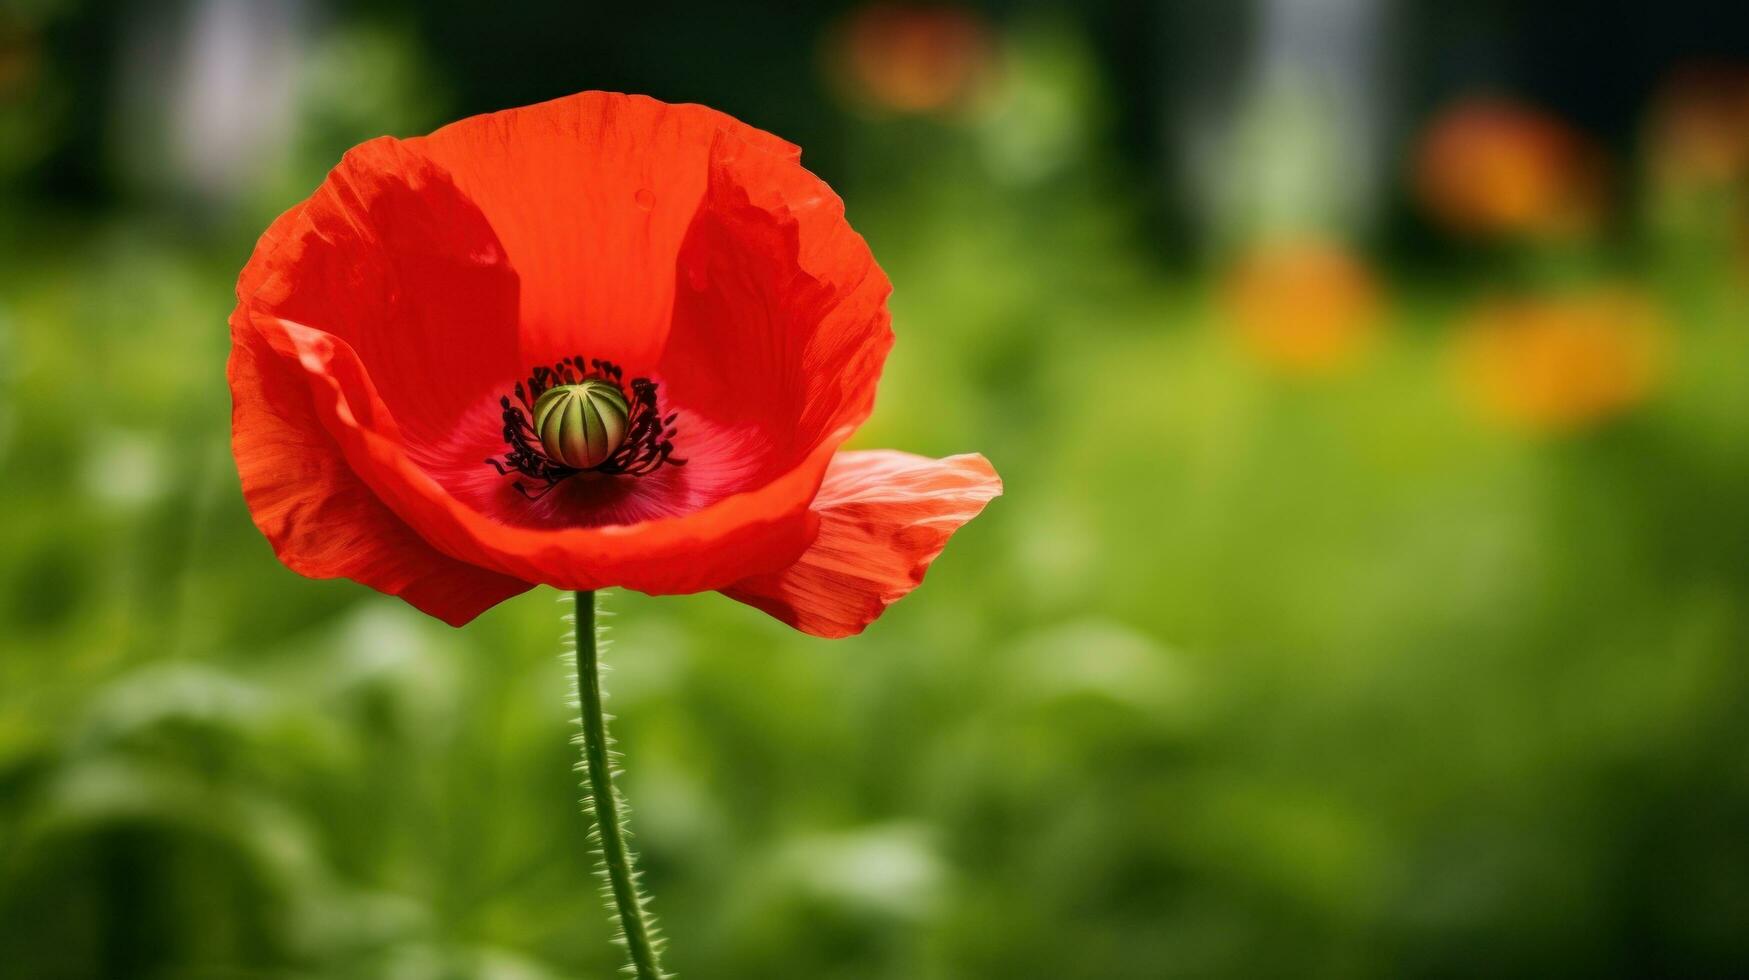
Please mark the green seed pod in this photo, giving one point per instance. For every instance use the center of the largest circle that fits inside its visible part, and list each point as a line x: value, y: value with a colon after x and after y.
x: 581, y: 425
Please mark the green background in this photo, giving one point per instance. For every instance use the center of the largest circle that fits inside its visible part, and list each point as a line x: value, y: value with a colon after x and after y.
x: 1244, y: 676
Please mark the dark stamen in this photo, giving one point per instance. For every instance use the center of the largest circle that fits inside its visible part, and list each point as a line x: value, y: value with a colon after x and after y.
x: 649, y: 440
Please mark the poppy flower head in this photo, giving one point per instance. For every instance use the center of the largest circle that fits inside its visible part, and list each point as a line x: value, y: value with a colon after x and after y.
x: 599, y: 341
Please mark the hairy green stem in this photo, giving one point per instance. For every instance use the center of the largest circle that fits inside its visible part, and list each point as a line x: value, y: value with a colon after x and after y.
x: 638, y: 932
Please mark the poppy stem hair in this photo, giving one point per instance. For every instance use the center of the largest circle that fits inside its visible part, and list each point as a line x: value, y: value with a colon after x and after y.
x: 638, y: 932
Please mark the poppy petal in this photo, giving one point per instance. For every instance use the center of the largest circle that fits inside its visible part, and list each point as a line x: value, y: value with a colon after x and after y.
x: 884, y: 516
x: 321, y: 519
x: 743, y: 534
x: 591, y: 195
x: 391, y: 257
x: 780, y: 322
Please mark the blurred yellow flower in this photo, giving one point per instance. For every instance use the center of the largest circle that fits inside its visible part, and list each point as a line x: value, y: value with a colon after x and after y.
x: 914, y: 59
x: 1304, y: 307
x: 1559, y: 363
x: 1496, y: 169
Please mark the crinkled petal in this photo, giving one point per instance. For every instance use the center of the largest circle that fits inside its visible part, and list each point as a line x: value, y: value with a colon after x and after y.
x: 754, y: 530
x: 389, y: 256
x: 591, y: 195
x: 884, y: 516
x: 780, y: 319
x: 322, y: 520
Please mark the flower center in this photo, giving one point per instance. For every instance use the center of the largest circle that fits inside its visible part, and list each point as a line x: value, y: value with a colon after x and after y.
x: 581, y: 425
x: 577, y: 417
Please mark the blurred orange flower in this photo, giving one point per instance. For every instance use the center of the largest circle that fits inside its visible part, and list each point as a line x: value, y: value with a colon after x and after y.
x: 1698, y: 133
x: 1491, y: 169
x: 1558, y: 363
x: 914, y: 59
x: 18, y: 59
x: 1697, y: 158
x: 1305, y: 307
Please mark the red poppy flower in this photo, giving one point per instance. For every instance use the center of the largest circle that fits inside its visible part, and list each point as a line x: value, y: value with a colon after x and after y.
x: 601, y: 341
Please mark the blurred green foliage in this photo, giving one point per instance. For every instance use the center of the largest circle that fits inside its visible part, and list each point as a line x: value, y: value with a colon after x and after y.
x: 1244, y: 677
